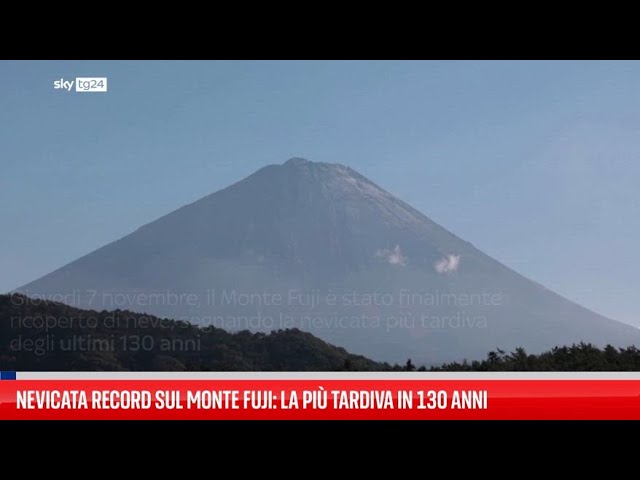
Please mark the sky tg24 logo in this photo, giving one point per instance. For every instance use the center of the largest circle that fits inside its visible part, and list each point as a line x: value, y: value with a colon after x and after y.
x: 82, y: 84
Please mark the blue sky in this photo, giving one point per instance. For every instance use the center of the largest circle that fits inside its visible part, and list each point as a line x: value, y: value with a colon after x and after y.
x: 535, y: 163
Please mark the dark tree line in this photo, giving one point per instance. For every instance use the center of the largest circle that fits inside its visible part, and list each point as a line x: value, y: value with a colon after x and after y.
x: 49, y: 336
x: 583, y: 357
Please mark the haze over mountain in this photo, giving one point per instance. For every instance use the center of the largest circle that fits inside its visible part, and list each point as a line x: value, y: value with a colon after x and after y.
x: 319, y: 247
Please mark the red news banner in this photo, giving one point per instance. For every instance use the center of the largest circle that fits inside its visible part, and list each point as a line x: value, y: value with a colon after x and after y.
x: 317, y: 399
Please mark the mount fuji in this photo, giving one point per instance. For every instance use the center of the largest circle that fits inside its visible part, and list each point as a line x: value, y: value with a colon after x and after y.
x: 319, y: 247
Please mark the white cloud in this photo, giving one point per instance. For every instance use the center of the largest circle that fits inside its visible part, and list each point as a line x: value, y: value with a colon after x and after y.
x: 393, y: 256
x: 448, y: 264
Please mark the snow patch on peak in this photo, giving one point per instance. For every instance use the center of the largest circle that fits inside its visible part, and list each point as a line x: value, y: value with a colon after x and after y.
x: 361, y: 185
x: 297, y: 161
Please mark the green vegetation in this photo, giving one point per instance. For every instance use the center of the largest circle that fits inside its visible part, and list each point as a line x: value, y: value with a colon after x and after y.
x: 39, y: 335
x: 582, y: 357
